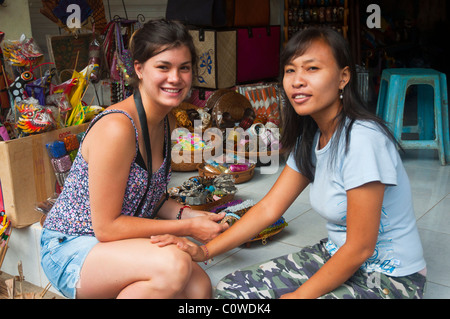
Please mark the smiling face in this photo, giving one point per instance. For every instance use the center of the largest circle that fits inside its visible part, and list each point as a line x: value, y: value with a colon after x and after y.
x: 166, y: 78
x: 312, y: 82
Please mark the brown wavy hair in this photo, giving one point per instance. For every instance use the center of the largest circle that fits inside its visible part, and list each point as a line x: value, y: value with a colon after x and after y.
x: 157, y: 36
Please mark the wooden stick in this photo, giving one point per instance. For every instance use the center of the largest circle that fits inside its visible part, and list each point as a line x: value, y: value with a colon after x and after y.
x: 92, y: 101
x: 76, y: 61
x: 44, y: 291
x: 85, y: 90
x: 4, y: 249
x: 4, y: 77
x: 21, y: 277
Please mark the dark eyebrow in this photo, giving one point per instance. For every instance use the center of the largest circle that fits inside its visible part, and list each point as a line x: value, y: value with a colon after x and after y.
x: 167, y: 62
x: 304, y: 62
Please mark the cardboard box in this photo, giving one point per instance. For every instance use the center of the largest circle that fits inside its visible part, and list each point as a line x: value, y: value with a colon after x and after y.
x: 27, y: 175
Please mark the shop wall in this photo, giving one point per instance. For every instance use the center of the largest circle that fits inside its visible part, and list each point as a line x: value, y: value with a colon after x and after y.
x: 413, y: 34
x: 42, y: 26
x: 15, y: 19
x: 150, y: 9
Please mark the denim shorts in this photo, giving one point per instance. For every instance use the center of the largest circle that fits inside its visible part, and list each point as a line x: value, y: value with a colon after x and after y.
x: 62, y: 257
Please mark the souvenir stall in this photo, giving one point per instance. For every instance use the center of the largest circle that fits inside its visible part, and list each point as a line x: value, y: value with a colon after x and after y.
x: 228, y: 126
x: 43, y: 111
x: 226, y: 129
x: 36, y: 108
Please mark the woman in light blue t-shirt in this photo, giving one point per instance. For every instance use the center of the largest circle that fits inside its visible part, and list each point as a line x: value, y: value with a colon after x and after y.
x: 357, y: 183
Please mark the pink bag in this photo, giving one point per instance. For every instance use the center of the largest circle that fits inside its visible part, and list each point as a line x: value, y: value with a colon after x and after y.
x: 258, y: 53
x: 200, y: 96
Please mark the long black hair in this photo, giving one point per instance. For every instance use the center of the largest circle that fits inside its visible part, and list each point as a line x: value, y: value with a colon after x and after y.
x: 157, y: 36
x: 299, y: 131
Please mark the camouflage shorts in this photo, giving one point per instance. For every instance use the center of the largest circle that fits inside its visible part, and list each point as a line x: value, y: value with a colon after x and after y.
x: 278, y: 276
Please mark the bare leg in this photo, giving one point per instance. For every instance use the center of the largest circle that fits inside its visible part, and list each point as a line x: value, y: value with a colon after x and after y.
x: 135, y: 268
x: 199, y: 285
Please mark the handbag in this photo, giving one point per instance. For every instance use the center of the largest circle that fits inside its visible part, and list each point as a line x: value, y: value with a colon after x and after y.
x: 258, y: 53
x: 199, y: 97
x: 109, y: 51
x: 124, y: 60
x: 216, y: 50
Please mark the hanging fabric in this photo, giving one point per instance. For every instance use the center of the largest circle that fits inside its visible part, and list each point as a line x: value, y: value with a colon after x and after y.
x: 118, y: 58
x: 124, y: 60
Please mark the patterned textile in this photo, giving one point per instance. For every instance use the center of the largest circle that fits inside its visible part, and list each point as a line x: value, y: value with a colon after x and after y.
x: 285, y: 274
x: 71, y: 213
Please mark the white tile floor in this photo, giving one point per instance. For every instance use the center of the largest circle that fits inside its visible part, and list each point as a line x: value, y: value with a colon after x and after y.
x: 430, y: 183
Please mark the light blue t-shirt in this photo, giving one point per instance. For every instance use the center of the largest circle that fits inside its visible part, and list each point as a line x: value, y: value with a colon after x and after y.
x: 371, y: 156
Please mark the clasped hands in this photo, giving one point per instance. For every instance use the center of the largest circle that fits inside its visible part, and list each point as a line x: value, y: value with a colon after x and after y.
x: 205, y: 227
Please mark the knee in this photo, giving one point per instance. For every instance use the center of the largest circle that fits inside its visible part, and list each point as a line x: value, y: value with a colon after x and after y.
x: 177, y: 269
x: 201, y: 288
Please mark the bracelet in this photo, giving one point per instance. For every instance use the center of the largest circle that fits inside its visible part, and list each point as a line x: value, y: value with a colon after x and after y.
x: 205, y: 249
x: 181, y: 211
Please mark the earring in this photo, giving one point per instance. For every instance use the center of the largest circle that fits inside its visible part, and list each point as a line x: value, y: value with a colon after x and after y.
x: 341, y: 94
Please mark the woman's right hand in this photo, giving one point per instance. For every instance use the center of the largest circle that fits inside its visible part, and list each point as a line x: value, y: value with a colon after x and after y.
x: 196, y: 252
x: 207, y: 227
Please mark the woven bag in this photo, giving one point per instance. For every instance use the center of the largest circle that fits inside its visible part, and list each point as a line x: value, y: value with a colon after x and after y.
x: 216, y: 50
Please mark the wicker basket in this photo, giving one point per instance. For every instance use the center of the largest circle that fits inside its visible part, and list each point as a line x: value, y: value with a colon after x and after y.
x: 239, y: 177
x: 209, y: 205
x: 190, y: 166
x: 263, y: 238
x: 264, y: 235
x: 257, y: 156
x: 227, y: 101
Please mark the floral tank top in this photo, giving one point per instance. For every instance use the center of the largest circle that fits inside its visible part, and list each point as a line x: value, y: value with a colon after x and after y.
x: 71, y: 213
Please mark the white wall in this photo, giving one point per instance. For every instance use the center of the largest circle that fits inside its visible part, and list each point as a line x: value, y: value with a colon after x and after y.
x: 42, y: 26
x: 150, y: 9
x: 34, y: 23
x: 15, y: 19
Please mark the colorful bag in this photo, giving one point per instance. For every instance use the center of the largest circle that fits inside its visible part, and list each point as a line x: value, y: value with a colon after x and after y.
x: 199, y: 97
x: 123, y: 57
x: 265, y: 101
x: 258, y: 53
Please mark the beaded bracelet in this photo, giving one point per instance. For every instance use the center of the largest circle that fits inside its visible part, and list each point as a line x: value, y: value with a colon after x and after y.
x: 181, y: 211
x: 205, y: 249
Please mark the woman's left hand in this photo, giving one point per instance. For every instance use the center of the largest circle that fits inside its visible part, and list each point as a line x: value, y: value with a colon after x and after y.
x: 165, y: 240
x: 197, y: 254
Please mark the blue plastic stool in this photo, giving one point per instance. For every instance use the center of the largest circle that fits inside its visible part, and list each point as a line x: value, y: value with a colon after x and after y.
x: 432, y: 108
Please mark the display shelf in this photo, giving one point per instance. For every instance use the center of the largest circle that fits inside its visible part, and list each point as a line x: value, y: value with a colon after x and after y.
x: 301, y: 14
